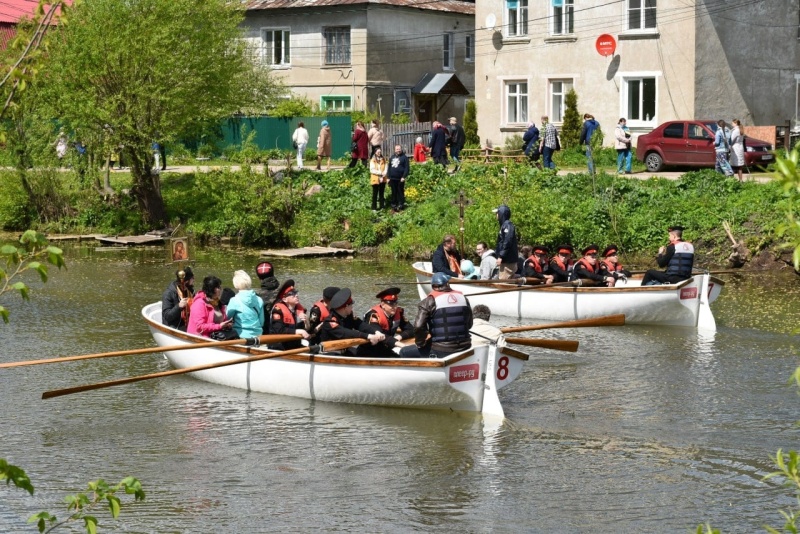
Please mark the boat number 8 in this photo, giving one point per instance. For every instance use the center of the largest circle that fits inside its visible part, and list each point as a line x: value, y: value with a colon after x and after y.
x: 502, y: 368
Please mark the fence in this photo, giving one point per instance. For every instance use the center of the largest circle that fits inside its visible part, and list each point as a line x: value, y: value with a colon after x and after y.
x: 405, y: 135
x: 277, y: 133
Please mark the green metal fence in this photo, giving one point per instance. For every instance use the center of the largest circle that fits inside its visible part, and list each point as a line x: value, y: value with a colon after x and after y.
x: 277, y: 133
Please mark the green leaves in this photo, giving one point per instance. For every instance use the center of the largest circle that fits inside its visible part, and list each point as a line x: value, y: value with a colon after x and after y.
x: 16, y: 475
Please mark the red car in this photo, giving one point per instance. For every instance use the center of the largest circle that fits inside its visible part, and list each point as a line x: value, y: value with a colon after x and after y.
x: 691, y: 143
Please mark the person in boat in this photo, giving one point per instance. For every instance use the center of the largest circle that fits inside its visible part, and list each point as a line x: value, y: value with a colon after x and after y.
x: 483, y: 332
x: 207, y: 316
x: 319, y: 312
x: 588, y: 268
x: 389, y: 319
x: 446, y: 258
x: 610, y: 263
x: 488, y: 266
x: 177, y: 300
x: 342, y: 324
x: 445, y: 314
x: 536, y: 266
x: 524, y: 253
x: 288, y: 316
x: 506, y: 248
x: 246, y: 309
x: 468, y: 270
x: 561, y: 264
x: 268, y: 289
x: 677, y: 257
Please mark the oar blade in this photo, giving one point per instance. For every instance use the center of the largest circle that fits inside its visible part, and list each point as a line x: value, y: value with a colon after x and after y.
x: 606, y: 320
x: 567, y: 345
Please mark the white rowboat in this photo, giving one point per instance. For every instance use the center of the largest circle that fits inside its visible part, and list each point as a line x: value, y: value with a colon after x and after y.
x: 682, y: 304
x: 465, y: 381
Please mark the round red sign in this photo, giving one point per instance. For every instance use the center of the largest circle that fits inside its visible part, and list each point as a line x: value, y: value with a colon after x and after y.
x: 606, y: 45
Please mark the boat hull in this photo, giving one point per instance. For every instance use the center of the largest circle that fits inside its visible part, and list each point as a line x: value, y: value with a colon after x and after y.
x: 457, y: 382
x: 669, y: 305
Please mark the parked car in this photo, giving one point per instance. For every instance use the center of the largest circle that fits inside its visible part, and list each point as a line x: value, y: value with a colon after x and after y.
x: 691, y: 143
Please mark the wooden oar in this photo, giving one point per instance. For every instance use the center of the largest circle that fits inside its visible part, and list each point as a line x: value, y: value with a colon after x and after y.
x: 555, y: 344
x: 584, y: 283
x: 606, y: 320
x: 262, y: 340
x: 724, y: 271
x: 326, y: 346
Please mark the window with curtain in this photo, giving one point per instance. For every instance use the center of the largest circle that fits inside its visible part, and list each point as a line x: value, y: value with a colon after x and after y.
x: 516, y: 18
x: 640, y: 99
x: 337, y: 45
x: 562, y: 17
x: 448, y: 52
x: 516, y: 102
x: 558, y: 94
x: 641, y: 14
x: 276, y: 47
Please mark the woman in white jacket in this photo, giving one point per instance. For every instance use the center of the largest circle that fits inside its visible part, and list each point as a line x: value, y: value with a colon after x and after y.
x: 737, y: 148
x: 300, y: 138
x: 622, y: 142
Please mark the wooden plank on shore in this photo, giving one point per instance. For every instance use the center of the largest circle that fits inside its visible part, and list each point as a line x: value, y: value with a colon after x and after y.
x: 307, y: 252
x: 132, y: 240
x: 75, y: 237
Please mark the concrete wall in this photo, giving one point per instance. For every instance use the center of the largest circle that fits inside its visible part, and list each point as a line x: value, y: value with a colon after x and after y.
x: 598, y: 80
x: 391, y: 48
x: 747, y: 60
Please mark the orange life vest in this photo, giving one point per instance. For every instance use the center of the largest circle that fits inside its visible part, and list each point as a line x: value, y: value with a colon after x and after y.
x: 383, y: 320
x: 612, y: 267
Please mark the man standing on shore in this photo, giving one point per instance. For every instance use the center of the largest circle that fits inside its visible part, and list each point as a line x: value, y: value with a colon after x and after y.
x: 506, y: 249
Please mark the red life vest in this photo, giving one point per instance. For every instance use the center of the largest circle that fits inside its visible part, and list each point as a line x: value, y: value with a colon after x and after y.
x: 612, y: 267
x: 588, y: 266
x: 535, y: 263
x: 561, y: 264
x: 324, y: 312
x: 383, y: 321
x: 287, y: 317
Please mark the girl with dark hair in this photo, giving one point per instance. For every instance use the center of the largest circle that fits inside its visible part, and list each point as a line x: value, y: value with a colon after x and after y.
x: 207, y: 313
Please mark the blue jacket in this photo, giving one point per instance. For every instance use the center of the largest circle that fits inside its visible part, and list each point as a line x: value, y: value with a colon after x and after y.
x: 587, y: 130
x: 530, y: 139
x: 247, y: 311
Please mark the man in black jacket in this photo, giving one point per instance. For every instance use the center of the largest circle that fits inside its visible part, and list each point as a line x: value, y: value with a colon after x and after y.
x: 457, y: 140
x: 398, y: 172
x: 506, y: 249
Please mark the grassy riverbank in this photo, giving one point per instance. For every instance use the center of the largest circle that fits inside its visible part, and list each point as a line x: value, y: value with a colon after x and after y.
x: 262, y: 210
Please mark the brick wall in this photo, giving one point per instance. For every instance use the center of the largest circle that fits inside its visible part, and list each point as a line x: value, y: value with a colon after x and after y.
x: 768, y: 134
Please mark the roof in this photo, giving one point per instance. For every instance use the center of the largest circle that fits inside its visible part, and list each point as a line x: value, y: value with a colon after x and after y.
x: 461, y: 7
x: 13, y: 10
x: 440, y: 84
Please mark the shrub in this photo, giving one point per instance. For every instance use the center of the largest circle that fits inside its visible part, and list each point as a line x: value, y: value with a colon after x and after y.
x: 571, y: 127
x: 471, y: 124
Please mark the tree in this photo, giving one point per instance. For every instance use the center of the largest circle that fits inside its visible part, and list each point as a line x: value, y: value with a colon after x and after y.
x: 151, y: 70
x: 571, y: 127
x: 471, y: 124
x: 26, y: 257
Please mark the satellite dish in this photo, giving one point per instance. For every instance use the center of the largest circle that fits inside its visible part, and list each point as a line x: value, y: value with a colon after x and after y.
x: 491, y: 20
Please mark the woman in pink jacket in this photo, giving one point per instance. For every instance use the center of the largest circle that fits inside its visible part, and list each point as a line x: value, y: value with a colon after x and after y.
x: 207, y: 315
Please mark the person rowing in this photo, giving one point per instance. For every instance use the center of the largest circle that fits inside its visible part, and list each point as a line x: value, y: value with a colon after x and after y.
x: 588, y: 268
x: 389, y: 319
x: 287, y: 316
x: 342, y: 324
x: 611, y: 265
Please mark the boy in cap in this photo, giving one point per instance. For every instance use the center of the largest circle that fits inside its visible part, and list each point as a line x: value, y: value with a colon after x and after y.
x: 677, y: 257
x: 342, y: 324
x: 288, y: 316
x: 561, y: 264
x: 588, y: 268
x: 320, y: 311
x: 177, y: 300
x: 610, y: 264
x: 389, y: 319
x: 536, y: 265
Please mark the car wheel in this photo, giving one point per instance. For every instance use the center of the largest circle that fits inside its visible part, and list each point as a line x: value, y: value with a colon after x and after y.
x: 654, y: 162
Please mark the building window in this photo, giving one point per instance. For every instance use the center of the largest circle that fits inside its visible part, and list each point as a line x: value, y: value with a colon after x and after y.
x: 337, y: 45
x: 517, y: 16
x: 448, y: 52
x: 562, y: 17
x: 469, y: 52
x: 402, y: 101
x: 558, y: 95
x: 275, y: 47
x: 335, y: 103
x: 640, y: 100
x: 516, y: 103
x: 641, y: 14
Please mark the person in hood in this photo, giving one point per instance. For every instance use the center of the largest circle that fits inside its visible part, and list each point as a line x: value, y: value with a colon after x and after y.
x: 506, y: 249
x: 246, y: 308
x: 589, y: 127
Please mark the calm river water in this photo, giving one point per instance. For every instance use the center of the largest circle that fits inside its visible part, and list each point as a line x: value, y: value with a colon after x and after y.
x: 644, y: 429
